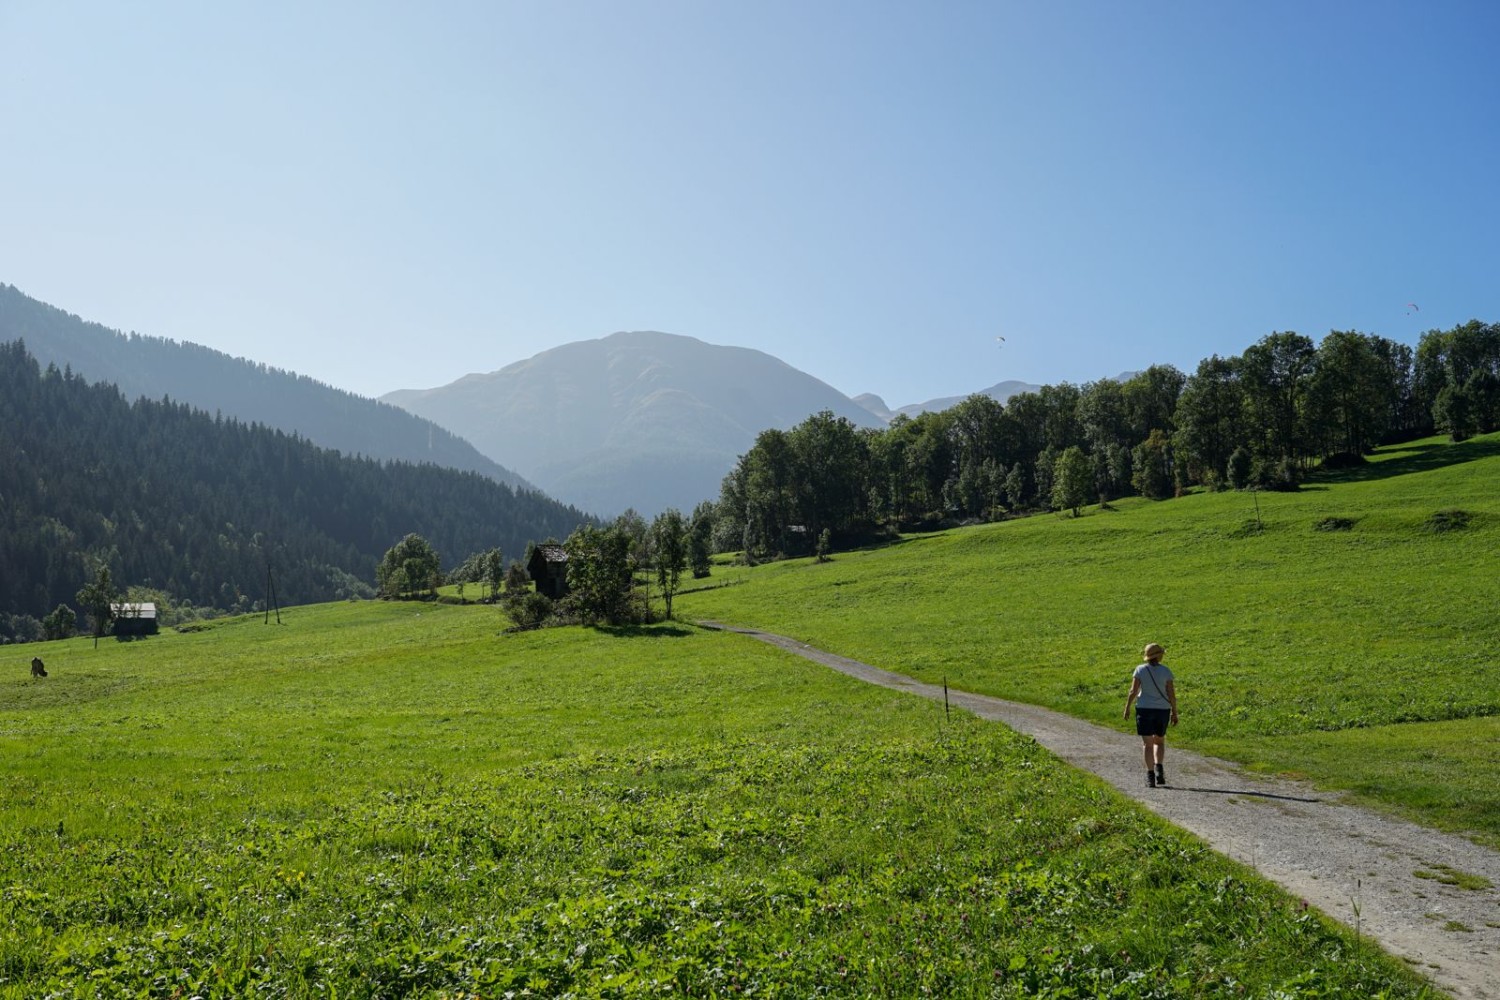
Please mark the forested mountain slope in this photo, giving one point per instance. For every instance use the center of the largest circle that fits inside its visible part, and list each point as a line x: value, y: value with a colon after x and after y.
x: 217, y: 383
x: 172, y: 498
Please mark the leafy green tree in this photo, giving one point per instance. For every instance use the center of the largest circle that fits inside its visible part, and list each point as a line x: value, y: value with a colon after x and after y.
x: 976, y: 429
x: 61, y: 623
x: 1117, y: 470
x: 1046, y: 462
x: 1072, y: 480
x: 1016, y: 486
x: 1210, y: 417
x: 1407, y: 418
x: 1454, y: 412
x: 1348, y: 397
x: 601, y: 576
x: 1275, y: 374
x: 409, y: 567
x: 701, y: 539
x: 832, y: 465
x: 96, y: 598
x: 19, y: 628
x: 1483, y: 390
x: 634, y: 525
x: 1102, y: 412
x: 494, y: 571
x: 525, y: 606
x: 1457, y: 378
x: 517, y: 580
x: 928, y: 456
x: 1152, y: 462
x: 1151, y: 401
x: 669, y: 536
x: 1061, y: 424
x: 824, y: 546
x: 767, y: 493
x: 1026, y: 429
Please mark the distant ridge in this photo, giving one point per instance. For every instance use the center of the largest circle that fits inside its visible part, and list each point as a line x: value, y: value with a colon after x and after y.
x: 639, y: 419
x: 215, y: 382
x: 1000, y: 391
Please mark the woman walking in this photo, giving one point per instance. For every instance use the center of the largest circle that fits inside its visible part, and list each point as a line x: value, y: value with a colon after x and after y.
x: 1155, y: 702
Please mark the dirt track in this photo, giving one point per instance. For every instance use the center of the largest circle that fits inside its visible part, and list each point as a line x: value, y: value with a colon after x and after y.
x: 1338, y: 857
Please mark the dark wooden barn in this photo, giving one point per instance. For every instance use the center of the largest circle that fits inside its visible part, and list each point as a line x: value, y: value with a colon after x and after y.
x: 548, y: 566
x: 134, y: 619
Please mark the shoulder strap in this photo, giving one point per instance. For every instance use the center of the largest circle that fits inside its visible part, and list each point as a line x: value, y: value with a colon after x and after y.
x: 1159, y: 693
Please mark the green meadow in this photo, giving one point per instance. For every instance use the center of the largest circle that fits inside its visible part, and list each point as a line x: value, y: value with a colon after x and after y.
x: 1334, y: 633
x: 398, y: 800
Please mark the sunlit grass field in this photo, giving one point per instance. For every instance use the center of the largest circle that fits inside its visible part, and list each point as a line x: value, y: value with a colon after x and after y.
x: 1365, y: 658
x: 395, y: 800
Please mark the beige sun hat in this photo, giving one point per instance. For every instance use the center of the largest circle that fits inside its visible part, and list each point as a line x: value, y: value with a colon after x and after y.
x: 1153, y: 650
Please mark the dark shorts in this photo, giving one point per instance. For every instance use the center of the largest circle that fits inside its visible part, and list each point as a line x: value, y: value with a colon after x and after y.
x: 1152, y: 721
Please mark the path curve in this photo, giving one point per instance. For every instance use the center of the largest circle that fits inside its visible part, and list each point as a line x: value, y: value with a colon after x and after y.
x: 1353, y: 864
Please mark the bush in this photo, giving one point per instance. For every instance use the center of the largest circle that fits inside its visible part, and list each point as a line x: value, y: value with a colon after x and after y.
x: 1277, y: 475
x: 1344, y: 460
x: 528, y: 608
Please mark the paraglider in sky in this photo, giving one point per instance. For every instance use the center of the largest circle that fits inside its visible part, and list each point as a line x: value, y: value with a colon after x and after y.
x: 1411, y: 307
x: 1000, y: 341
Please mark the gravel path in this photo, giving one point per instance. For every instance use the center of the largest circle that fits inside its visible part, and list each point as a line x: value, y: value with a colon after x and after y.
x: 1354, y: 865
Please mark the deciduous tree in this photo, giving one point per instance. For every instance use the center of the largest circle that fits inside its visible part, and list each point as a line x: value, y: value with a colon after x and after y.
x: 601, y: 575
x: 96, y: 598
x: 1152, y: 462
x: 669, y: 537
x: 409, y: 567
x: 1072, y: 480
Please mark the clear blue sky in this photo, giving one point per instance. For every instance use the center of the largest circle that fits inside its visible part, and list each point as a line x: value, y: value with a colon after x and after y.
x: 391, y: 195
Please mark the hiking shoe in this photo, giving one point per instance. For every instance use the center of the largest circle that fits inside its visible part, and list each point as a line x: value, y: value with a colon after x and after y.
x: 1160, y: 776
x: 1150, y: 780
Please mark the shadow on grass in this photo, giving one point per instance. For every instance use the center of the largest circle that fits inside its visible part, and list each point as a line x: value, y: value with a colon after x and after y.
x: 1416, y: 458
x: 709, y: 586
x: 1248, y: 793
x: 645, y: 631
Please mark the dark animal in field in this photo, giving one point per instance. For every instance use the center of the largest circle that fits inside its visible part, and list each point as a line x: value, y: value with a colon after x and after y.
x: 37, y: 669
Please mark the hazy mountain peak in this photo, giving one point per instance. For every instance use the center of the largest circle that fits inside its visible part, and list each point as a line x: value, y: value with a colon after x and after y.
x: 639, y: 419
x: 875, y: 405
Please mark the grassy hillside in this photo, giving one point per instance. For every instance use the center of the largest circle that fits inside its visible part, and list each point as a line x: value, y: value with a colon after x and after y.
x: 1365, y: 657
x: 379, y: 800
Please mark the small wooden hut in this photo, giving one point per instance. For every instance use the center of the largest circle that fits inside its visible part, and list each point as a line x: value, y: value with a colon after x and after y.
x: 134, y: 619
x: 548, y: 566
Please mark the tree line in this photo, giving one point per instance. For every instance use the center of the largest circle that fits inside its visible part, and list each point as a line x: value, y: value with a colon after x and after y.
x: 201, y: 508
x: 1262, y: 419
